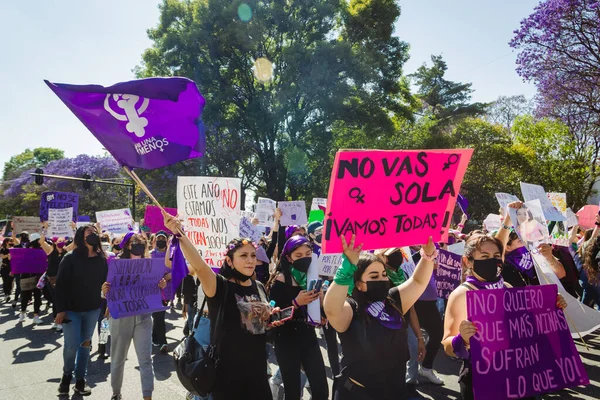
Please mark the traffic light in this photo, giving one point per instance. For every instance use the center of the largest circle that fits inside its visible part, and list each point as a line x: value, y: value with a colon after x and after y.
x: 39, y: 180
x: 87, y: 184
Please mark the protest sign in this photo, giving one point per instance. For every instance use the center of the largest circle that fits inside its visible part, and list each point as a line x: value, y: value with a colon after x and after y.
x: 28, y: 261
x: 492, y: 222
x: 571, y: 218
x: 329, y: 263
x: 248, y: 214
x: 134, y: 286
x: 587, y: 216
x: 27, y: 224
x: 316, y: 215
x: 504, y: 199
x: 313, y: 309
x: 457, y: 248
x: 392, y: 198
x: 82, y: 220
x: 58, y: 200
x: 522, y: 347
x: 559, y: 201
x: 448, y: 273
x: 59, y: 222
x: 292, y: 213
x: 316, y: 202
x: 115, y: 221
x: 537, y: 192
x: 210, y: 209
x: 154, y: 220
x: 265, y: 209
x: 247, y: 230
x: 529, y: 224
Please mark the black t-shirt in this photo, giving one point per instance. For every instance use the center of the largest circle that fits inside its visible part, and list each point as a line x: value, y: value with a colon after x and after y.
x: 5, y: 261
x: 375, y: 355
x: 189, y: 291
x: 79, y: 282
x: 283, y: 295
x: 54, y: 260
x: 516, y: 278
x: 240, y: 349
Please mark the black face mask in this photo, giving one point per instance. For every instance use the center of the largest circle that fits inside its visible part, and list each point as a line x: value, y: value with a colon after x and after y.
x: 93, y: 240
x: 377, y: 290
x: 302, y: 264
x: 319, y: 238
x: 116, y: 247
x: 238, y: 275
x: 138, y: 249
x: 487, y: 269
x: 161, y: 244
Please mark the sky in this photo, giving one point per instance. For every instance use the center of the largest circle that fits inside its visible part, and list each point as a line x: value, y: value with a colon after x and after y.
x: 101, y: 41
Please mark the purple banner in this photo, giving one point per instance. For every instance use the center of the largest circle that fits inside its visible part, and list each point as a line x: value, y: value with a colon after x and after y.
x: 134, y: 286
x: 523, y: 346
x: 58, y: 200
x: 28, y: 261
x: 448, y: 273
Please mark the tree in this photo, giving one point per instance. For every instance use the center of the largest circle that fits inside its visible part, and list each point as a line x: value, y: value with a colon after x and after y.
x: 37, y: 157
x: 277, y: 85
x: 506, y: 109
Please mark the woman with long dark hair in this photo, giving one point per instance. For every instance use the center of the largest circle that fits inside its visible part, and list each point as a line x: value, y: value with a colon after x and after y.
x: 7, y: 278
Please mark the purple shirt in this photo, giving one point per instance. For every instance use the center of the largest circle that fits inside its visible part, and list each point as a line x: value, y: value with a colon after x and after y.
x: 430, y: 293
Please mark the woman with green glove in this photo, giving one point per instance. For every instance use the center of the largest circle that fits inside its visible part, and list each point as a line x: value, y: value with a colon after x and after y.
x: 371, y: 323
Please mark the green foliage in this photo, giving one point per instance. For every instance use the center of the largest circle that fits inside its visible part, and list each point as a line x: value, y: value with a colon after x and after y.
x: 37, y: 157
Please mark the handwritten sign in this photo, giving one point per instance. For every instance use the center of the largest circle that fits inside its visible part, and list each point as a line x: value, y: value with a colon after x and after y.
x: 210, y: 208
x: 293, y: 213
x: 448, y: 273
x: 587, y: 216
x: 58, y: 200
x: 523, y: 346
x: 134, y: 286
x: 504, y: 199
x: 329, y: 263
x: 154, y: 220
x: 115, y: 221
x: 247, y: 230
x: 316, y: 202
x: 28, y: 261
x: 571, y: 218
x: 393, y: 198
x: 248, y: 214
x: 265, y: 209
x: 529, y: 223
x: 492, y: 222
x: 59, y: 222
x: 27, y: 224
x: 537, y: 192
x: 559, y: 201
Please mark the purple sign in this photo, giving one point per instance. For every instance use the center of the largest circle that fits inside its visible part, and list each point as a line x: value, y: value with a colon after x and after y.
x: 448, y: 273
x: 28, y: 261
x: 523, y: 346
x: 58, y: 200
x: 134, y: 286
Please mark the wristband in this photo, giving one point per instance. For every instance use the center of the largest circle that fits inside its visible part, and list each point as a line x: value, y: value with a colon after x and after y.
x: 295, y: 303
x: 505, y: 227
x: 430, y: 257
x: 459, y: 348
x: 461, y: 225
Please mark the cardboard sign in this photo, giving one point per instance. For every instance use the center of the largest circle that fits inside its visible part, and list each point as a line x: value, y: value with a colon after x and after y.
x: 28, y: 261
x: 292, y: 213
x: 571, y: 218
x: 247, y: 230
x: 59, y: 222
x: 58, y: 200
x: 115, y: 221
x: 27, y: 224
x: 587, y: 216
x: 265, y: 209
x: 154, y: 220
x: 329, y: 263
x: 559, y: 201
x: 504, y: 199
x: 448, y: 273
x: 210, y: 209
x: 393, y: 198
x: 523, y: 346
x: 134, y: 286
x: 537, y: 192
x: 316, y: 202
x: 529, y: 223
x: 492, y: 222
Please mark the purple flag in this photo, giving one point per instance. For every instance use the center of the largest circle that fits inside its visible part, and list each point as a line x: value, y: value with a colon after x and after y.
x: 179, y: 268
x: 146, y: 123
x: 523, y: 346
x: 463, y: 203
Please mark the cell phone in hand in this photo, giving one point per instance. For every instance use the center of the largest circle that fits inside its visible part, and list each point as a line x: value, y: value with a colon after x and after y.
x: 318, y: 285
x: 283, y: 315
x: 311, y: 285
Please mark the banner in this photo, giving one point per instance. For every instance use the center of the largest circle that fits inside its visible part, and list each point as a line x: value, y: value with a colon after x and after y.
x: 58, y: 200
x: 28, y: 224
x: 571, y: 218
x: 492, y: 222
x: 522, y: 347
x: 392, y: 198
x: 329, y: 263
x: 210, y: 209
x: 292, y: 213
x: 134, y: 286
x: 28, y: 261
x: 316, y: 202
x: 59, y: 222
x: 265, y: 210
x: 448, y: 273
x: 537, y: 192
x: 115, y: 221
x: 247, y: 230
x: 530, y: 224
x: 587, y: 216
x: 504, y: 199
x: 154, y: 220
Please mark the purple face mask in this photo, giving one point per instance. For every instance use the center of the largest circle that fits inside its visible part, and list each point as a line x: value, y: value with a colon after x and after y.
x: 60, y: 245
x: 451, y: 240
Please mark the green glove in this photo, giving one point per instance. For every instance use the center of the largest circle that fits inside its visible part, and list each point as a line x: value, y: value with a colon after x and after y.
x: 344, y: 275
x: 397, y: 277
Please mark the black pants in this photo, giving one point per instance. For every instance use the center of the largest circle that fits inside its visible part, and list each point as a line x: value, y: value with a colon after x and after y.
x: 7, y: 282
x: 37, y: 300
x: 51, y: 297
x: 17, y: 287
x: 332, y: 349
x: 430, y: 320
x: 296, y: 346
x: 159, y: 328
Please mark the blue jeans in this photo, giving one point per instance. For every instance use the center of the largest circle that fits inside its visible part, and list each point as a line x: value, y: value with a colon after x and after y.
x: 412, y: 365
x: 76, y: 333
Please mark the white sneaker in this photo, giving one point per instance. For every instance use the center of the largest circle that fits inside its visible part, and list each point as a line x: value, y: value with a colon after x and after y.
x: 22, y: 317
x: 37, y: 320
x: 58, y: 327
x: 53, y: 327
x: 430, y: 376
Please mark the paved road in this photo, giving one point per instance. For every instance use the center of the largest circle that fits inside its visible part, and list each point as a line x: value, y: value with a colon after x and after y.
x: 31, y: 366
